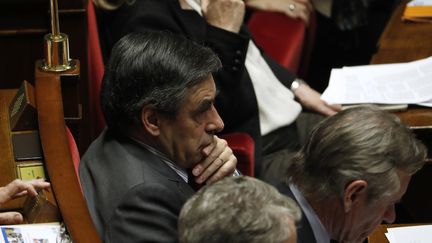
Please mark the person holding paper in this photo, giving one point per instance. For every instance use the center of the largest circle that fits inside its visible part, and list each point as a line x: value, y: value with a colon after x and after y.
x: 18, y: 188
x: 353, y: 169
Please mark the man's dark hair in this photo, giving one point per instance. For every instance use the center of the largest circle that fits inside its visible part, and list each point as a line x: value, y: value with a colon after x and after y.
x: 156, y: 68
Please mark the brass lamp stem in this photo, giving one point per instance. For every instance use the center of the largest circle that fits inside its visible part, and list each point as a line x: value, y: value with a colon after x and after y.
x: 55, y: 27
x: 56, y: 46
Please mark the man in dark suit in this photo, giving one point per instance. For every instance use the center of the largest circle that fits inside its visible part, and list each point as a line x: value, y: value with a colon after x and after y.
x: 353, y: 169
x: 257, y: 96
x: 158, y: 100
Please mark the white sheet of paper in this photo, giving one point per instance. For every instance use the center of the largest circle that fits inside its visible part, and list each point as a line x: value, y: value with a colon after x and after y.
x: 400, y: 83
x: 410, y: 234
x: 420, y: 3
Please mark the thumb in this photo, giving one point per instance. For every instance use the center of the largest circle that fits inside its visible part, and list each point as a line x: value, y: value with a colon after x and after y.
x: 11, y: 218
x: 204, y: 5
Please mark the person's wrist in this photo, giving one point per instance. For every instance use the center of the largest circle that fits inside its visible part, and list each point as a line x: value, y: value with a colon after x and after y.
x: 297, y: 83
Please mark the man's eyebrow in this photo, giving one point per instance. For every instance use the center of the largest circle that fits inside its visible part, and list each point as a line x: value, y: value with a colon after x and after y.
x: 204, y: 105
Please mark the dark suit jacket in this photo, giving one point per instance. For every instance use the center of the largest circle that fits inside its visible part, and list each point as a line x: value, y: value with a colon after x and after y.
x: 236, y: 101
x: 304, y: 230
x: 132, y: 195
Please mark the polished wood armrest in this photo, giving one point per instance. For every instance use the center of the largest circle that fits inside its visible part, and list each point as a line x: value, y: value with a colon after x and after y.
x: 58, y: 158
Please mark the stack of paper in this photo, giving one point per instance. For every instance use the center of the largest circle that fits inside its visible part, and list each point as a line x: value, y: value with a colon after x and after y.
x: 410, y: 234
x: 418, y: 10
x: 401, y: 83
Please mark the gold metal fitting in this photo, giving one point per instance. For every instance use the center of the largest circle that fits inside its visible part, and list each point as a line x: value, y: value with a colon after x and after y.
x: 56, y: 46
x: 57, y: 53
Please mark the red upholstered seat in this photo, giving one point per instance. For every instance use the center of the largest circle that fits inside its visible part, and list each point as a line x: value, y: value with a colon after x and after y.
x: 288, y: 41
x: 243, y: 146
x: 74, y: 151
x: 95, y: 71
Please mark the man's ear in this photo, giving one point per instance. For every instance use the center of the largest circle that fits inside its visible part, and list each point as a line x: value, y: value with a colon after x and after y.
x: 150, y: 120
x: 354, y: 192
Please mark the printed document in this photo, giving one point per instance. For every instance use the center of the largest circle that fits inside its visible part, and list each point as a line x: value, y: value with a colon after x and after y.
x: 400, y: 83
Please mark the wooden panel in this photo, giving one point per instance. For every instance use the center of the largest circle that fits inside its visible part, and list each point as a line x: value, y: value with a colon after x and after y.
x: 7, y: 160
x: 403, y: 41
x: 23, y: 23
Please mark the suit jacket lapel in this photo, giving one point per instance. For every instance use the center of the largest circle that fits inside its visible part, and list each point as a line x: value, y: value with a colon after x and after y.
x: 158, y: 165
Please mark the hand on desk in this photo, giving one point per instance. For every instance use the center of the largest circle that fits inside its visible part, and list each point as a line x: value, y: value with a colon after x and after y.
x: 219, y: 162
x: 311, y: 99
x: 15, y: 189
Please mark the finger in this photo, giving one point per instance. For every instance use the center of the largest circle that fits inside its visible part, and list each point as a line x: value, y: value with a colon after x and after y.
x: 207, y: 150
x: 10, y: 190
x: 11, y: 218
x: 335, y: 107
x: 304, y: 16
x: 226, y: 170
x: 19, y: 188
x: 326, y: 110
x: 218, y: 147
x: 216, y: 164
x: 204, y: 5
x: 307, y: 4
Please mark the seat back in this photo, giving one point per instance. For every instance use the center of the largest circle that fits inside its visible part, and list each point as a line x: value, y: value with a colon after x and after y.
x: 288, y: 41
x: 74, y: 152
x: 243, y: 147
x: 95, y: 71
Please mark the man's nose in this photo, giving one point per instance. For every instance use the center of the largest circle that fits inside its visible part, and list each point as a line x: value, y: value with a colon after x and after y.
x: 215, y: 123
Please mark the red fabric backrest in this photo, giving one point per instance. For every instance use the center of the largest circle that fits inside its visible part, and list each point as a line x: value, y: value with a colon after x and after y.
x: 243, y: 147
x: 279, y: 36
x: 95, y: 71
x: 74, y: 151
x: 288, y: 41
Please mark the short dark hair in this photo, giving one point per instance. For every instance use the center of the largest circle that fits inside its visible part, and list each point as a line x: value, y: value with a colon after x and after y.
x: 152, y: 67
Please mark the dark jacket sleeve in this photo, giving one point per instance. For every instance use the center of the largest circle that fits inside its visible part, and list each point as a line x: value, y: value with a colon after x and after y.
x: 146, y: 214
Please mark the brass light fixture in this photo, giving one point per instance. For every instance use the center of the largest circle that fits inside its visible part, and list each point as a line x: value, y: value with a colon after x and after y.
x: 56, y: 46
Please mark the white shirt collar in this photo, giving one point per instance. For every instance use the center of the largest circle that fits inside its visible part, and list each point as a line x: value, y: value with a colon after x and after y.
x: 180, y: 171
x: 319, y: 231
x: 196, y: 5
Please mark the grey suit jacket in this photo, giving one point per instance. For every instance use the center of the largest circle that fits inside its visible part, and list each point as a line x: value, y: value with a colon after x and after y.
x: 132, y: 195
